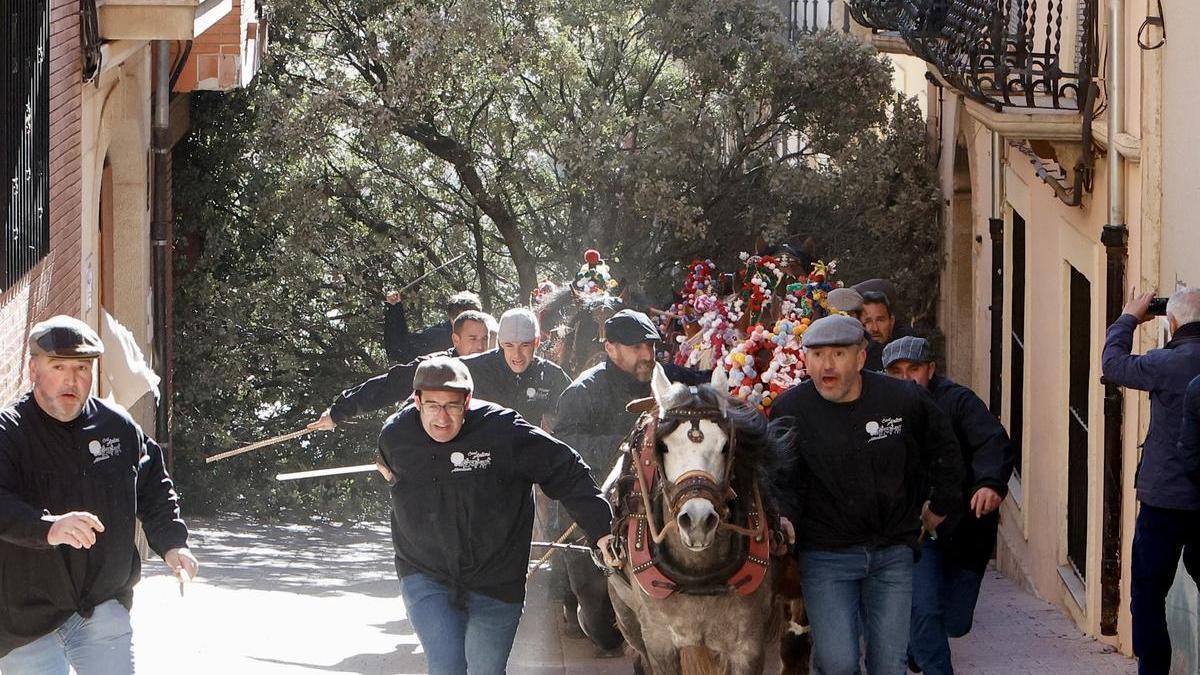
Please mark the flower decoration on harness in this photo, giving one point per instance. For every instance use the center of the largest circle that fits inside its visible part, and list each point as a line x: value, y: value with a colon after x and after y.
x: 594, y: 276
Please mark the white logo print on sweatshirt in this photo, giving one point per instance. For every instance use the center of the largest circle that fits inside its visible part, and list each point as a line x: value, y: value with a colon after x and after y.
x: 102, y: 450
x: 889, y: 426
x: 469, y: 461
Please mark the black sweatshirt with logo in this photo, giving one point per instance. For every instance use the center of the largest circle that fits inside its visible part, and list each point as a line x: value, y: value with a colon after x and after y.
x: 462, y: 511
x: 100, y: 462
x: 863, y: 469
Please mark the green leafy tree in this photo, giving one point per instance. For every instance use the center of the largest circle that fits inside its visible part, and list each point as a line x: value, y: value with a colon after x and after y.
x: 387, y: 136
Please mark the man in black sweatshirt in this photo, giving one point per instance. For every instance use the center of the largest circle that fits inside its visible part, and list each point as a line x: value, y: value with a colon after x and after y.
x: 75, y: 474
x: 870, y: 450
x: 947, y: 577
x: 462, y: 514
x: 469, y: 334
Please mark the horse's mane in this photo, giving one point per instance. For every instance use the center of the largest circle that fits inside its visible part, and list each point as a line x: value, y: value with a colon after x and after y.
x: 763, y: 447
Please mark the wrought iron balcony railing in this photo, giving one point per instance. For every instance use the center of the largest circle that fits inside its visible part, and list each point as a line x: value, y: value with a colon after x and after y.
x: 878, y: 15
x: 812, y: 16
x: 1038, y: 54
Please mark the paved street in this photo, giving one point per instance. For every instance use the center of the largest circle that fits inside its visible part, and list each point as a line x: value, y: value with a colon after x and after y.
x: 323, y: 598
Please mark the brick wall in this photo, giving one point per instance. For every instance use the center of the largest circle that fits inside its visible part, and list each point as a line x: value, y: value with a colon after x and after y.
x: 53, y: 285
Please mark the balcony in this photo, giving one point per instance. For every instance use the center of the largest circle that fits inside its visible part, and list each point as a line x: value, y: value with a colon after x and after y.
x: 229, y: 54
x: 1008, y: 55
x: 158, y: 19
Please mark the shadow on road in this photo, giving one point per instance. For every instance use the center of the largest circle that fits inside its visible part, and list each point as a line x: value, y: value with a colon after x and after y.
x: 326, y: 559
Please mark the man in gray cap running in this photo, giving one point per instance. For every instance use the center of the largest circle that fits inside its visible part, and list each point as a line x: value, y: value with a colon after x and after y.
x: 868, y: 449
x: 462, y: 514
x: 76, y: 475
x: 947, y: 577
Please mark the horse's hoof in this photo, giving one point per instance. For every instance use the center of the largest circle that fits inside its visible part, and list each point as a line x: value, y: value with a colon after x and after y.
x: 614, y: 653
x: 571, y: 627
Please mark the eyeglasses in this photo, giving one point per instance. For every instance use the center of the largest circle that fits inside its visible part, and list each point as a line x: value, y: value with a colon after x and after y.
x: 451, y: 409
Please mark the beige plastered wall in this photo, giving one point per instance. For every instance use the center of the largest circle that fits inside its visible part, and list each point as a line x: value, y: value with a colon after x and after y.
x: 116, y: 129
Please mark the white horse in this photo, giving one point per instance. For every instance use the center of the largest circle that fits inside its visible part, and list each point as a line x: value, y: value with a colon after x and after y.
x: 697, y: 590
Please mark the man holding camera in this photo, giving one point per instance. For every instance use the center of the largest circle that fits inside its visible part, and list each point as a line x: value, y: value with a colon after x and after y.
x: 1168, y: 523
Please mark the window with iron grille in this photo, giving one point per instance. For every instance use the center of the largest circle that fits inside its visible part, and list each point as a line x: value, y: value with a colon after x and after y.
x: 1016, y: 375
x: 24, y: 136
x: 1079, y: 379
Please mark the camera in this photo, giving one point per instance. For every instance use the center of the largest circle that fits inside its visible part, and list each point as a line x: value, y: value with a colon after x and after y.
x: 1158, y: 306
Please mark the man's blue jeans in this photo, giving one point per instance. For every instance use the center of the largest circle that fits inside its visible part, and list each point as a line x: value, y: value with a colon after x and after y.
x: 842, y: 586
x: 101, y: 644
x: 474, y: 639
x: 943, y: 605
x: 1160, y: 537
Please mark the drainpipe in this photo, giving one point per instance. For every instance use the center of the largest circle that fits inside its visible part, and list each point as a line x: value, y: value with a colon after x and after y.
x: 1115, y: 238
x: 160, y: 240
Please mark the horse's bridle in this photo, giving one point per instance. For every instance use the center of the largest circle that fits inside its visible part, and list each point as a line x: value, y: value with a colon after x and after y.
x: 693, y: 484
x: 698, y: 484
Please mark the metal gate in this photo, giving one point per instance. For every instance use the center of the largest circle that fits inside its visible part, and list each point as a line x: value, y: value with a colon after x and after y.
x: 24, y: 135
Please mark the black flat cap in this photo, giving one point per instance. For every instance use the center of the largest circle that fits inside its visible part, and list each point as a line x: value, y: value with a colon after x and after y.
x: 64, y: 337
x: 630, y: 327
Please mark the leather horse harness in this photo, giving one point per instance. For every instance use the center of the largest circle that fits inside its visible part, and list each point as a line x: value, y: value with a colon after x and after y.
x: 643, y: 480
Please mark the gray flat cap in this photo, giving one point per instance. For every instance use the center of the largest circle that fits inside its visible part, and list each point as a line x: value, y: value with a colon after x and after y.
x: 907, y: 348
x: 64, y: 337
x: 836, y: 329
x: 442, y: 373
x: 845, y: 300
x: 518, y: 325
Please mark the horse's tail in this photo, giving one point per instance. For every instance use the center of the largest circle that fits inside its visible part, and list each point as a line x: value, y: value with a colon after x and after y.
x: 700, y: 661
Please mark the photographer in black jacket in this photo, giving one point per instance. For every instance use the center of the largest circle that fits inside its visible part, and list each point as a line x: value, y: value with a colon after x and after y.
x: 75, y: 473
x: 462, y: 514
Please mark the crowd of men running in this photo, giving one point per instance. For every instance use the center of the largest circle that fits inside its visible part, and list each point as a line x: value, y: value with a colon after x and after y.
x: 897, y: 482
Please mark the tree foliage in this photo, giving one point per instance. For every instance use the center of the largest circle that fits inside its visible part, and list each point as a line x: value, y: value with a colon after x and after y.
x: 387, y: 136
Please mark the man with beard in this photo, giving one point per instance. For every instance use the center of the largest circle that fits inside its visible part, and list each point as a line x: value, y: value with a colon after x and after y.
x: 591, y: 415
x: 592, y: 419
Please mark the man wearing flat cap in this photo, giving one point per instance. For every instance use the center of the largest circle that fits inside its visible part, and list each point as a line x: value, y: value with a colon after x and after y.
x: 462, y: 514
x: 75, y: 474
x: 591, y: 415
x: 592, y: 419
x: 946, y: 579
x: 850, y: 302
x: 869, y: 451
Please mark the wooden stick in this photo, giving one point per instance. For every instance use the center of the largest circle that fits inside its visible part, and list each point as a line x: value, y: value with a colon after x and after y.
x: 560, y: 547
x: 425, y: 276
x: 318, y: 473
x: 541, y: 561
x: 259, y: 444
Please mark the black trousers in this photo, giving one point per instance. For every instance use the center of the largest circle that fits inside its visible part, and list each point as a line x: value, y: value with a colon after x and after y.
x: 1160, y: 537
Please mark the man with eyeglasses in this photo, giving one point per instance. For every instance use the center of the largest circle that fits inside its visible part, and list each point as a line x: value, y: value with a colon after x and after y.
x: 461, y: 472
